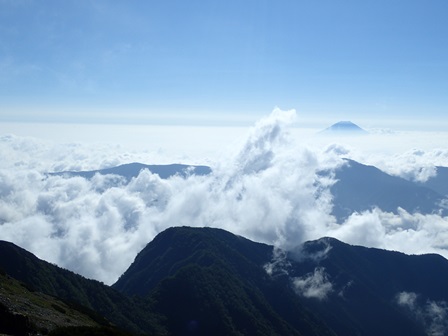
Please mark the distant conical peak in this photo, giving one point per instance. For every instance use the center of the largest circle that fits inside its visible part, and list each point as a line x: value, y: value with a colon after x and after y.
x: 345, y: 127
x: 345, y: 123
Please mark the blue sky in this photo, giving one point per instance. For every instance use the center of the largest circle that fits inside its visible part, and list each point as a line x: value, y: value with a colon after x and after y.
x: 222, y: 62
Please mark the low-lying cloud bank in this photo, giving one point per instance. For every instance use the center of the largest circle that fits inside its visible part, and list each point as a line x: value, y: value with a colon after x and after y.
x: 267, y: 190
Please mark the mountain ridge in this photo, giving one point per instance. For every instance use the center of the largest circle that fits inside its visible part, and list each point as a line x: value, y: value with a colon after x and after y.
x: 361, y: 274
x: 361, y: 187
x: 68, y: 286
x: 358, y: 187
x: 130, y: 170
x: 198, y: 281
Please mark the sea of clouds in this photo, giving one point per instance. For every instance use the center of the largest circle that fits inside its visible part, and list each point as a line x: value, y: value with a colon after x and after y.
x: 266, y: 188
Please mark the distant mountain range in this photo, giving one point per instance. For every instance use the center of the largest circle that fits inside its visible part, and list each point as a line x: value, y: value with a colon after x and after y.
x: 204, y: 281
x: 131, y: 170
x: 358, y: 188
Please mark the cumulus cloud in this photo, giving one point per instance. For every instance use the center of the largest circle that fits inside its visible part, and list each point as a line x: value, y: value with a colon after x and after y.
x: 409, y: 233
x: 411, y: 155
x: 415, y: 165
x: 314, y: 285
x: 432, y: 314
x: 268, y: 189
x: 26, y: 153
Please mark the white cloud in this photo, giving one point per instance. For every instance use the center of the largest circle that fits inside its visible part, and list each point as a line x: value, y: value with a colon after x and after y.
x: 267, y: 190
x: 411, y: 155
x: 314, y: 285
x: 279, y: 263
x: 409, y: 233
x: 407, y: 299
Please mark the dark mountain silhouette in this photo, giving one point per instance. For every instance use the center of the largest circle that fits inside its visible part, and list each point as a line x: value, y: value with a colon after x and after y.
x: 131, y: 170
x: 360, y: 187
x: 202, y: 281
x: 366, y: 284
x: 199, y: 264
x: 218, y: 284
x: 344, y: 127
x: 174, y: 246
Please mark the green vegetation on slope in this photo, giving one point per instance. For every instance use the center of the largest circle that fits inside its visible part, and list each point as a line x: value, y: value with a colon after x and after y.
x: 203, y: 281
x: 27, y: 311
x: 132, y: 314
x: 211, y: 281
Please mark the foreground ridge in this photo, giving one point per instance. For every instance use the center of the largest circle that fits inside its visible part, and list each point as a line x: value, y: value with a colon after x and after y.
x: 200, y: 281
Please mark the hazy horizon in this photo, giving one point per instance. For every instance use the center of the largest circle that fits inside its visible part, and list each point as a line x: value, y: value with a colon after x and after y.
x: 214, y: 64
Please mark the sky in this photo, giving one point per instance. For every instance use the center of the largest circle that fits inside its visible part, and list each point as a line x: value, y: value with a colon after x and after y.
x: 378, y: 63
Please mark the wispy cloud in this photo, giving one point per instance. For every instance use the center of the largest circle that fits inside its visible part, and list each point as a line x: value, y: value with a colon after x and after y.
x: 432, y: 314
x: 320, y: 252
x: 279, y: 265
x: 314, y: 285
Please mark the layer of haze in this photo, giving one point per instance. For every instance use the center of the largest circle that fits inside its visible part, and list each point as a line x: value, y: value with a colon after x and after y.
x: 264, y: 186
